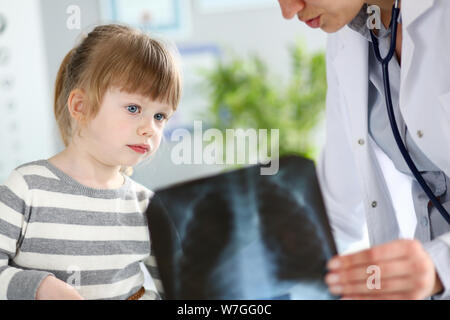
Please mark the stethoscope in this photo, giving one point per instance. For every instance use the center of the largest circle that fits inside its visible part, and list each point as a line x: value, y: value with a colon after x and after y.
x: 387, y: 89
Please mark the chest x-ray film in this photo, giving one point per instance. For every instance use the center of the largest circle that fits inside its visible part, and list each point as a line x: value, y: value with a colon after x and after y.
x: 242, y: 235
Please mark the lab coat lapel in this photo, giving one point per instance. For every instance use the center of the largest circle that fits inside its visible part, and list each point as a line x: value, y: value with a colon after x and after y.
x: 410, y: 12
x: 351, y: 64
x: 353, y: 75
x: 352, y: 69
x: 415, y: 115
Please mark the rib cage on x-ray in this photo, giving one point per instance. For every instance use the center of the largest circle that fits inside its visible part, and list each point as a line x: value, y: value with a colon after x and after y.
x: 241, y: 235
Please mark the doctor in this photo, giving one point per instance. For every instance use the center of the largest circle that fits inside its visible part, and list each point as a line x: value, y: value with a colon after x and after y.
x: 367, y: 186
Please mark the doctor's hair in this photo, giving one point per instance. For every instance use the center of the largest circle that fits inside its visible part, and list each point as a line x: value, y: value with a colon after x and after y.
x: 115, y: 56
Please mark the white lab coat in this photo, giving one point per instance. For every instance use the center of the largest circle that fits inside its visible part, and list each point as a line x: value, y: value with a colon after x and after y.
x: 356, y: 183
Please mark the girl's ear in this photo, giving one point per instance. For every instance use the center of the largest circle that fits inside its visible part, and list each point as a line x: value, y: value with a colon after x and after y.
x: 77, y: 105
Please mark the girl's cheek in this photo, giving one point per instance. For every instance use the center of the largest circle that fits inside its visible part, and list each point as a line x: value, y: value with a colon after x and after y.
x: 122, y: 126
x: 158, y: 130
x: 157, y: 139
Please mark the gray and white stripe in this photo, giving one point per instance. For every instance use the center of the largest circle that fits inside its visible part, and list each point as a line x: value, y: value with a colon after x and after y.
x: 51, y: 224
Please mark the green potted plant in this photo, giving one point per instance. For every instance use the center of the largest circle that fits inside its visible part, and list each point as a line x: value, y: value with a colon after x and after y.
x: 243, y: 94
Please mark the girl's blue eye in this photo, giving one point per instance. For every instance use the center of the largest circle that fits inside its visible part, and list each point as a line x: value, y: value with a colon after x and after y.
x: 160, y: 116
x: 133, y: 108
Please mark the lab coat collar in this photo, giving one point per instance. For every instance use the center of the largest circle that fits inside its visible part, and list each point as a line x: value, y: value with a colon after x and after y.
x: 351, y: 63
x: 411, y: 10
x: 352, y: 69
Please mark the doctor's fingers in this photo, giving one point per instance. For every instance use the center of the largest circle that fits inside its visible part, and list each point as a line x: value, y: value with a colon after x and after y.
x: 387, y: 269
x: 399, y: 249
x: 404, y: 286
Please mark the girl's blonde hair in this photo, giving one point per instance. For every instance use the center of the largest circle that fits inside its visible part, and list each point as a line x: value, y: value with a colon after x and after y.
x: 120, y: 56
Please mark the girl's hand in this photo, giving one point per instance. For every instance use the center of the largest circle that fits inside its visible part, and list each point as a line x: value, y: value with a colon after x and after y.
x: 404, y: 268
x: 52, y: 288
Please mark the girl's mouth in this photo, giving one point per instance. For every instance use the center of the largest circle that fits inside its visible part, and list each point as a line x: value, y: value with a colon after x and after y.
x: 139, y: 149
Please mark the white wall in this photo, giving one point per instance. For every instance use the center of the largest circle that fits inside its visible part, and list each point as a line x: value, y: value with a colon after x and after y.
x: 26, y: 119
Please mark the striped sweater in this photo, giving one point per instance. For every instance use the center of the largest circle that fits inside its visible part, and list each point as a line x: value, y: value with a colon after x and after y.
x: 92, y: 239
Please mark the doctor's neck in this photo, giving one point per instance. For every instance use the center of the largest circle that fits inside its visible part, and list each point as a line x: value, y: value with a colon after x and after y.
x: 386, y: 9
x: 386, y: 14
x: 383, y: 4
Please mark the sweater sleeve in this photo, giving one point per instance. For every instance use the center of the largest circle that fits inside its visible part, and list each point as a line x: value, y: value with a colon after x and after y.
x: 15, y: 283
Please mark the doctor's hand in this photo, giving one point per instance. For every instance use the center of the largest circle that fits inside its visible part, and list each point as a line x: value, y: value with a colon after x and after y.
x: 399, y: 270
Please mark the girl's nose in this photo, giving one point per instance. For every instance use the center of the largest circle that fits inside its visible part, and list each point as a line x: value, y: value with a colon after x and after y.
x: 146, y: 128
x: 290, y: 8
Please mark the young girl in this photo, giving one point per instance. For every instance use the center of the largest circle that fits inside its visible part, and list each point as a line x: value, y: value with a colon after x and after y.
x: 73, y: 226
